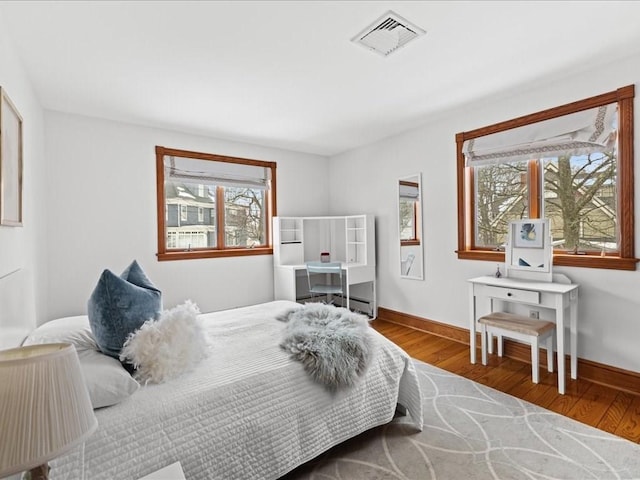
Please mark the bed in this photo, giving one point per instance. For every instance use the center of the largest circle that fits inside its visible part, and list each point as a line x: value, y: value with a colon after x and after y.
x: 248, y: 411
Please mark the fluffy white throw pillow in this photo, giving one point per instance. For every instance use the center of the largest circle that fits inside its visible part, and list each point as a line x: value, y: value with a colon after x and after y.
x: 165, y: 348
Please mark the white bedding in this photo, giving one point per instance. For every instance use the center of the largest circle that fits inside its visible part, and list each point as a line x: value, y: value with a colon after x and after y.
x: 246, y: 412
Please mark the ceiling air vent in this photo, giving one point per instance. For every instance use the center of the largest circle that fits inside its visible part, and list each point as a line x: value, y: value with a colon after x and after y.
x: 387, y: 34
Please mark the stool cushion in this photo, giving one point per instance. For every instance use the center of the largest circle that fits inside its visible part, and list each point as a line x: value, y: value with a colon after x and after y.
x: 517, y: 323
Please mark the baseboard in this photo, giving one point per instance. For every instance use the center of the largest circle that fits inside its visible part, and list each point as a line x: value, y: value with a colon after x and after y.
x: 595, y: 372
x: 430, y: 326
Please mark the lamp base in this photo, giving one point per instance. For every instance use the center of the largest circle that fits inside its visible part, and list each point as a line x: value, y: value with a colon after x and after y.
x: 40, y: 472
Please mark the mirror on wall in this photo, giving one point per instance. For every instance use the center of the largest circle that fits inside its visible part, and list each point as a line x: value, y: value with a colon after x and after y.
x: 410, y: 226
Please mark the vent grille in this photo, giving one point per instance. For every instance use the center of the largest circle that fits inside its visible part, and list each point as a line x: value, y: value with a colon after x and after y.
x: 388, y: 34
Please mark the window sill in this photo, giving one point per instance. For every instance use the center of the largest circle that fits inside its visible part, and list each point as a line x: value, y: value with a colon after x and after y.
x: 231, y: 252
x: 565, y: 260
x: 408, y: 243
x: 595, y: 261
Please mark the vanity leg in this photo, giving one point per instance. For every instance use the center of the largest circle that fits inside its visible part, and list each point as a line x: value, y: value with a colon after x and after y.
x: 573, y: 308
x: 472, y: 324
x: 560, y: 345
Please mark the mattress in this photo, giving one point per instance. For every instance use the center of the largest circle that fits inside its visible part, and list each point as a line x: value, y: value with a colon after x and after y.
x: 248, y: 411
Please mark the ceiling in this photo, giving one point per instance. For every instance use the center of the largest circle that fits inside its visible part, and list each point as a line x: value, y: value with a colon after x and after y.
x: 285, y: 73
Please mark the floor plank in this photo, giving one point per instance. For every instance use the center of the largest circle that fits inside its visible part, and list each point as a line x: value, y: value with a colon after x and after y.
x: 629, y: 426
x: 593, y: 405
x: 616, y: 411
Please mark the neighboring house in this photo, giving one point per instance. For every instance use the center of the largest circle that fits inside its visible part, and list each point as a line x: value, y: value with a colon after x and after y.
x: 190, y: 217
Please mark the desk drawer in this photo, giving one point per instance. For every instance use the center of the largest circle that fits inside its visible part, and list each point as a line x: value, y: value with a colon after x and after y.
x: 513, y: 294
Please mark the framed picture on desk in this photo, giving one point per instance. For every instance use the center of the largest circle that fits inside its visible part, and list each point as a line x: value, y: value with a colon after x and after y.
x: 528, y: 233
x: 529, y: 252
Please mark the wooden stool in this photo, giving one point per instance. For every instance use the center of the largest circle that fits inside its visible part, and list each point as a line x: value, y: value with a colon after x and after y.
x: 525, y: 329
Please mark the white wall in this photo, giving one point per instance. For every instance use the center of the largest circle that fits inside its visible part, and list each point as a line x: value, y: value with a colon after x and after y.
x: 101, y: 204
x: 364, y: 181
x: 22, y: 298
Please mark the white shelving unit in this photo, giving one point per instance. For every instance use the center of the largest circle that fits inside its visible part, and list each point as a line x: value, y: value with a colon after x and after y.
x: 356, y: 239
x: 349, y: 240
x: 291, y: 230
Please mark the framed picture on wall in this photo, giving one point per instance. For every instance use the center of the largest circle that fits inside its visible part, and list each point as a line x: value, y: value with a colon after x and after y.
x: 528, y: 234
x: 10, y: 162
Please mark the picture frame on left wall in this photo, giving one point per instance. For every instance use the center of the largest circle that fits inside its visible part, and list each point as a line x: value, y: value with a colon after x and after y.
x: 11, y: 162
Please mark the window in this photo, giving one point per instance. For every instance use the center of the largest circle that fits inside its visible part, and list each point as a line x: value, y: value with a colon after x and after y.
x: 213, y: 206
x: 572, y: 164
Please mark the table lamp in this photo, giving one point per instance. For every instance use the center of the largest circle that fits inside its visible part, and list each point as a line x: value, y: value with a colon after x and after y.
x: 45, y: 409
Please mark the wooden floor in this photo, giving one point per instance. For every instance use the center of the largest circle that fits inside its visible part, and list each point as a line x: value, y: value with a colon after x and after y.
x: 602, y: 407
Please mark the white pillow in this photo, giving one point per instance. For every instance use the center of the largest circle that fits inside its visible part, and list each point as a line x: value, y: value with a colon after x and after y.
x: 73, y: 330
x: 165, y: 348
x: 106, y: 380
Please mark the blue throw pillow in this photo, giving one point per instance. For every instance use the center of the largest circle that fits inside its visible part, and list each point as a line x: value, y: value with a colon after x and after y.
x: 119, y: 305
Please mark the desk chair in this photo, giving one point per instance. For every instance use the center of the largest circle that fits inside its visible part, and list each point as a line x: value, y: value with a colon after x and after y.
x: 325, y: 286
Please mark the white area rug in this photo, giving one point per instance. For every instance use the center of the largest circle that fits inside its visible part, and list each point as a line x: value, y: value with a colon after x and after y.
x: 475, y: 432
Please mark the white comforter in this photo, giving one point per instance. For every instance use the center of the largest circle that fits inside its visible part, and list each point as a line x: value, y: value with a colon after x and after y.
x: 246, y: 412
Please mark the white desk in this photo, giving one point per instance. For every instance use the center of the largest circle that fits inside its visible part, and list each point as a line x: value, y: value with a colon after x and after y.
x: 557, y: 296
x: 286, y: 287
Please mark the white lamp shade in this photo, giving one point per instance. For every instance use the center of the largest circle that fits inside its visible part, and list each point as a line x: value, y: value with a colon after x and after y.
x: 45, y: 408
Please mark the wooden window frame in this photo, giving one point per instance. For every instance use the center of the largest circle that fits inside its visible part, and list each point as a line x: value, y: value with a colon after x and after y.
x: 179, y: 254
x: 624, y: 259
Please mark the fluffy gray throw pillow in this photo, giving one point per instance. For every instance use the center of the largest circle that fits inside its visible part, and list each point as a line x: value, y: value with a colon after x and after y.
x: 333, y: 344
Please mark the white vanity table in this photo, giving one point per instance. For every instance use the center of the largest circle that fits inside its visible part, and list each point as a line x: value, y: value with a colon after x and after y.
x: 561, y: 297
x: 529, y: 280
